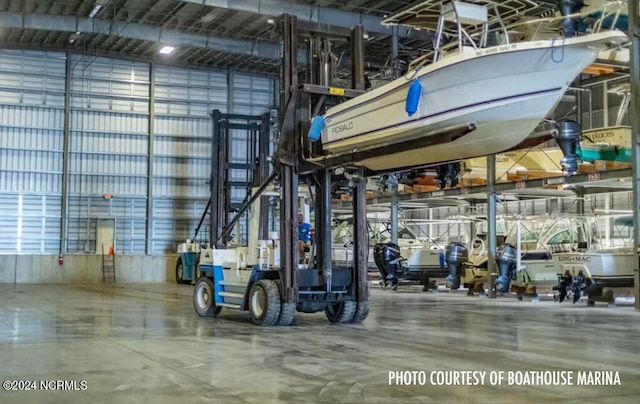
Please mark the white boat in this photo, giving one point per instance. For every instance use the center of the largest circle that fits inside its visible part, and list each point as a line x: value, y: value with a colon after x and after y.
x: 593, y: 266
x: 533, y: 240
x: 342, y: 246
x: 505, y: 91
x: 612, y: 143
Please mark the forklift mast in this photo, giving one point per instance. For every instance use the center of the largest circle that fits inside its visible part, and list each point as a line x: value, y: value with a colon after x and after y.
x: 298, y: 105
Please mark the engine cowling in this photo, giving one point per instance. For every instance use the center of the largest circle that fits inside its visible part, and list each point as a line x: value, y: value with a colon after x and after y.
x: 567, y: 8
x: 506, y: 260
x: 388, y: 260
x: 456, y: 255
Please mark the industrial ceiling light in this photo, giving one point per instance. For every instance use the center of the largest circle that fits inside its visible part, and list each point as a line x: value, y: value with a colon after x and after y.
x: 97, y: 7
x: 95, y: 10
x: 271, y: 21
x: 166, y: 50
x: 208, y: 17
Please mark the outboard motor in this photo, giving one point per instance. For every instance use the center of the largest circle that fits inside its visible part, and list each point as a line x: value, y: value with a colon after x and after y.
x: 579, y: 283
x: 448, y: 173
x: 568, y: 7
x: 456, y: 255
x: 568, y: 139
x: 564, y: 281
x: 506, y: 259
x: 389, y: 262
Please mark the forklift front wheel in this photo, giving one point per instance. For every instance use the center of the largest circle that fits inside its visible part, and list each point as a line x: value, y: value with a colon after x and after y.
x: 341, y: 312
x: 204, y: 299
x: 264, y: 303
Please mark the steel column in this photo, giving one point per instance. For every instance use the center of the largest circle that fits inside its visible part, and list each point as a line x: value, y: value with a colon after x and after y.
x: 394, y: 52
x: 150, y: 141
x: 396, y: 73
x: 634, y: 116
x: 491, y: 224
x: 580, y: 201
x: 394, y: 217
x: 605, y: 103
x: 579, y: 104
x: 66, y: 144
x: 357, y: 58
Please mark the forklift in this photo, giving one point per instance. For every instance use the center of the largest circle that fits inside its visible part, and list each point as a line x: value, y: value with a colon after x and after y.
x: 267, y: 277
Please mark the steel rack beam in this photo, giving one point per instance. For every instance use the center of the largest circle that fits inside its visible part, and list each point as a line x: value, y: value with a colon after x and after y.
x: 501, y: 187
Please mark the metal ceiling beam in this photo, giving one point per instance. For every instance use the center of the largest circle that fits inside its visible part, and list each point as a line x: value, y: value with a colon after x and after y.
x: 173, y: 37
x: 315, y: 14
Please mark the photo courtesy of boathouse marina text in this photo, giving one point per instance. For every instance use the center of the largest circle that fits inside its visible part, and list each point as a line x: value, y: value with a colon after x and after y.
x: 505, y: 378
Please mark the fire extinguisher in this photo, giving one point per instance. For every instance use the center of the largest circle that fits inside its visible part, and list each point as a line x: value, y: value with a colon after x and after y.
x: 60, y: 260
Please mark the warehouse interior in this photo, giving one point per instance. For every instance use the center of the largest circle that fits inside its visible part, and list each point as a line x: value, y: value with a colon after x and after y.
x: 286, y: 200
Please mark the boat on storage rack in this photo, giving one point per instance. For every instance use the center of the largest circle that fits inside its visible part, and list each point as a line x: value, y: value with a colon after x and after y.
x: 591, y: 266
x: 612, y: 143
x: 504, y: 89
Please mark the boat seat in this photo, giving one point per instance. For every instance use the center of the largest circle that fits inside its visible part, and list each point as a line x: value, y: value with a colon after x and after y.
x: 536, y: 255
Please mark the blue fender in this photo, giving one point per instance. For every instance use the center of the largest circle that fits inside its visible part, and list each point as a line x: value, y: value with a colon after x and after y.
x: 315, y: 131
x: 413, y: 97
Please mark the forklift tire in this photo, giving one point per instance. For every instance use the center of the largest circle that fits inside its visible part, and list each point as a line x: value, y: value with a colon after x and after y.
x: 362, y: 312
x: 203, y: 298
x: 341, y: 312
x: 264, y: 303
x: 287, y: 313
x: 179, y: 271
x: 287, y: 310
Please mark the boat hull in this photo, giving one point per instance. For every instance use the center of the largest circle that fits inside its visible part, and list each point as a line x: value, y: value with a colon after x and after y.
x: 536, y: 273
x: 505, y: 91
x: 607, y: 268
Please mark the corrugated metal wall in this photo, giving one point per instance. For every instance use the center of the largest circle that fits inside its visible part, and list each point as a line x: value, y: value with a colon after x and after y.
x: 182, y: 150
x: 109, y: 130
x: 109, y: 148
x: 31, y: 136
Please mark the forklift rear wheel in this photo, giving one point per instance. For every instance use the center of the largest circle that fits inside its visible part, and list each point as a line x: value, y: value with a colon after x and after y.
x: 340, y: 312
x: 264, y: 303
x: 179, y: 271
x: 203, y: 298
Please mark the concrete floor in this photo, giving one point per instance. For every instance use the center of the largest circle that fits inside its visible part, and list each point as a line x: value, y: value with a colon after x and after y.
x: 144, y: 343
